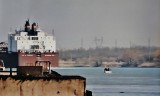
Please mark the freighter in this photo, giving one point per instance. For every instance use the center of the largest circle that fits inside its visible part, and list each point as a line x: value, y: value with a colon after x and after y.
x: 29, y: 47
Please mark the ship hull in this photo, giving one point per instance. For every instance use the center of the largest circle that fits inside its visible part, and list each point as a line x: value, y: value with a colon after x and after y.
x: 10, y: 59
x: 29, y: 59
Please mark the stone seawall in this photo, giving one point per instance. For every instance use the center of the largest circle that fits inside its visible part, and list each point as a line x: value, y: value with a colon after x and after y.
x: 42, y: 86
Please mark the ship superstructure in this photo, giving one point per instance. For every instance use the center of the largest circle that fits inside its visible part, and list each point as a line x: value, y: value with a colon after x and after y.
x: 31, y: 39
x: 31, y: 46
x: 3, y: 47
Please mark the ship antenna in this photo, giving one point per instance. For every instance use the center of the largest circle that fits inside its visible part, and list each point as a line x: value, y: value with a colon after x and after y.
x: 53, y: 32
x: 28, y: 19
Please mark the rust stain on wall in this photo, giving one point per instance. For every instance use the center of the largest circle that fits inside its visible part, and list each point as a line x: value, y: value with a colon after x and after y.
x: 42, y: 86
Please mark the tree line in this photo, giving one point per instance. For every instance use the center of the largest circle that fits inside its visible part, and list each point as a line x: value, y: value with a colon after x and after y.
x: 132, y: 56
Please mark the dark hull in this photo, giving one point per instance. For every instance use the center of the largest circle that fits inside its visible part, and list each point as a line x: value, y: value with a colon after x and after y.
x: 28, y: 59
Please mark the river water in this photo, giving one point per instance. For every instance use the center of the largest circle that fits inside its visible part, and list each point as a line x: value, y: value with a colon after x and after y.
x: 121, y: 82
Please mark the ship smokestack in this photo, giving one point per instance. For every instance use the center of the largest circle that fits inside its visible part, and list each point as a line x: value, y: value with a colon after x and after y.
x: 34, y: 29
x: 27, y: 26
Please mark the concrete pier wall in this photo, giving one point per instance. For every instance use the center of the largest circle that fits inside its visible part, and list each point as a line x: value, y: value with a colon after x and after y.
x: 42, y: 86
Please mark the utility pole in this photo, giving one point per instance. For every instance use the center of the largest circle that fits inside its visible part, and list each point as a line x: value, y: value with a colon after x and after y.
x: 149, y: 49
x: 82, y: 43
x: 116, y: 45
x: 130, y: 53
x: 98, y: 42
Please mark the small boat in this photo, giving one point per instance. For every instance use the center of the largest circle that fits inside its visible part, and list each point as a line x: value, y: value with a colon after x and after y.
x: 107, y: 70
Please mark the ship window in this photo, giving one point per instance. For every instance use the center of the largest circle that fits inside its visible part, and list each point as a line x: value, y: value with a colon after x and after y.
x: 18, y: 38
x: 34, y: 38
x: 34, y: 46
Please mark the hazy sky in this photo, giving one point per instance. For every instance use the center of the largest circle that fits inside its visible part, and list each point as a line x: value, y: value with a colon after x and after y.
x: 74, y: 21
